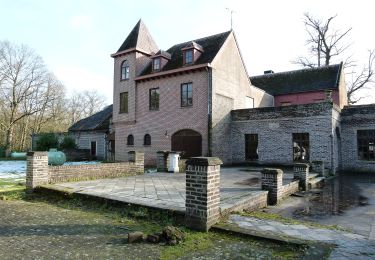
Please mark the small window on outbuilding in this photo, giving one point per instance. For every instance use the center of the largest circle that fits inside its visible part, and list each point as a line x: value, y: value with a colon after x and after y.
x: 125, y: 71
x: 301, y: 147
x: 130, y: 140
x: 147, y: 140
x: 366, y: 144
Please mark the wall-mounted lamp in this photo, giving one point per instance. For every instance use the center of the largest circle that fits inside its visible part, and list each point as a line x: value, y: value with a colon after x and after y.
x: 166, y: 134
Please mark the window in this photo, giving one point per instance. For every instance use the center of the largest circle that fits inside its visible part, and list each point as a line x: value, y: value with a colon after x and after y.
x: 156, y: 64
x: 251, y: 147
x: 366, y: 144
x: 186, y: 94
x: 123, y: 102
x: 188, y: 56
x: 154, y: 99
x: 301, y: 147
x: 130, y: 140
x: 124, y: 70
x: 147, y: 139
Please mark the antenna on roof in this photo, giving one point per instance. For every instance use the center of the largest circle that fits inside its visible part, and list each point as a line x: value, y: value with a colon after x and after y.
x: 231, y: 17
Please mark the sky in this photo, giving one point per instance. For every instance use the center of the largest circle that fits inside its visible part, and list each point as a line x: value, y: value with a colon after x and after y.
x: 76, y: 37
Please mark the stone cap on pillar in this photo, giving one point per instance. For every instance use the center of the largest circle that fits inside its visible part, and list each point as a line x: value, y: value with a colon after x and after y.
x: 204, y: 161
x: 272, y: 171
x: 32, y: 153
x: 306, y: 165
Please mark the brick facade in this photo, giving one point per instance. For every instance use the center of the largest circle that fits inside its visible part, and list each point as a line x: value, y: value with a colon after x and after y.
x: 275, y: 126
x: 355, y: 118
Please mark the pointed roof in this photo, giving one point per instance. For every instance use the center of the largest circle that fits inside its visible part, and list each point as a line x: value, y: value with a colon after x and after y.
x: 139, y: 39
x: 210, y: 46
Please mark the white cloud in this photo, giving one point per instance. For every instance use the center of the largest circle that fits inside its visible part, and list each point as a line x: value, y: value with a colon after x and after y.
x: 83, y: 22
x: 78, y: 79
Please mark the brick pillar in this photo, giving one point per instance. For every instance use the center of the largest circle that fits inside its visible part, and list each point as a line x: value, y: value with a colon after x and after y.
x: 162, y: 161
x: 138, y: 158
x: 318, y: 167
x: 202, y: 192
x: 272, y: 180
x: 301, y: 173
x: 37, y: 169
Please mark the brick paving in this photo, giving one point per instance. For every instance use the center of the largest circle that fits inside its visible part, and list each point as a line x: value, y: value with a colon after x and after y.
x: 348, y: 245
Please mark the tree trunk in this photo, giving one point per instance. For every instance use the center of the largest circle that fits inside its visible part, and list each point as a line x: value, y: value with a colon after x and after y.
x: 9, y: 141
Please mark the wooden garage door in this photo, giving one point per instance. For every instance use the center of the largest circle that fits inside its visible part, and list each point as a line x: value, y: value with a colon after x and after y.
x: 188, y: 142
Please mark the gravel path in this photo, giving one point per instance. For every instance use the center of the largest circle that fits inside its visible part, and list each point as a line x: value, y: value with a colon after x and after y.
x: 42, y: 231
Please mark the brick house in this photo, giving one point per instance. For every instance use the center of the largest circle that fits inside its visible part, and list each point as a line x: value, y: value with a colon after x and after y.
x: 197, y: 98
x: 179, y: 99
x: 305, y: 86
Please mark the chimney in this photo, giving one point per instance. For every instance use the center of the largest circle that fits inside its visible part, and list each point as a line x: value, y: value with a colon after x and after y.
x: 268, y: 72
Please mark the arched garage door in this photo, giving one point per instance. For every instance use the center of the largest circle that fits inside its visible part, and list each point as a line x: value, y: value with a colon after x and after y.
x: 188, y: 142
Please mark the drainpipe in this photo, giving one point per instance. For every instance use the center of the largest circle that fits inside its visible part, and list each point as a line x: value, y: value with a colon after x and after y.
x: 332, y: 155
x: 209, y: 108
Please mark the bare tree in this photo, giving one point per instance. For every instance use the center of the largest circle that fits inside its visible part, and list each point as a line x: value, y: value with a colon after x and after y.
x: 361, y: 80
x: 94, y: 102
x: 326, y: 45
x: 23, y: 84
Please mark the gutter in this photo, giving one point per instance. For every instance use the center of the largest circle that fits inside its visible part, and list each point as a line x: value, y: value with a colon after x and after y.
x: 163, y: 73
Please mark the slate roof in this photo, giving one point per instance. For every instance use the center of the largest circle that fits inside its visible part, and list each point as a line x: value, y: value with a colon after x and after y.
x: 139, y: 38
x: 298, y: 81
x: 211, y: 46
x: 96, y: 122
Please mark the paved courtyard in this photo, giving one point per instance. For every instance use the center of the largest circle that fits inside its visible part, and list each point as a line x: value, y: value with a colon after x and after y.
x: 348, y: 245
x: 167, y: 191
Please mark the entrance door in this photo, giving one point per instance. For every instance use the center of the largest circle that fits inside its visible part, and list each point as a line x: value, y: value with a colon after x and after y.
x: 93, y: 148
x: 188, y: 142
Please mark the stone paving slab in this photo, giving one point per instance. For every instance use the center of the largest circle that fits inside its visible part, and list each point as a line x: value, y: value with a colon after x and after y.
x: 166, y: 190
x: 348, y: 245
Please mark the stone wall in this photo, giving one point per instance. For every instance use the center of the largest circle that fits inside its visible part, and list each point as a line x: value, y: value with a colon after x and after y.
x: 355, y: 118
x: 275, y: 126
x: 39, y: 173
x: 92, y: 171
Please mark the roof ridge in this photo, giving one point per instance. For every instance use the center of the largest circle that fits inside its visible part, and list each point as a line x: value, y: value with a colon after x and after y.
x: 296, y: 71
x: 199, y: 39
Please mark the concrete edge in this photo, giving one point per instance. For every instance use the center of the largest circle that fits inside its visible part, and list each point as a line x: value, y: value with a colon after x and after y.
x: 262, y: 235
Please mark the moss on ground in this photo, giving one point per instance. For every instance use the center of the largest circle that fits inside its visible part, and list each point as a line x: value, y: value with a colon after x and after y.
x: 130, y: 218
x: 290, y: 221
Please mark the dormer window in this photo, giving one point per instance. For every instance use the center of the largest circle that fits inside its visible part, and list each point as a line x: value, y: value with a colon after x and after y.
x: 189, y: 56
x: 125, y: 71
x: 159, y: 60
x: 191, y: 52
x: 156, y: 64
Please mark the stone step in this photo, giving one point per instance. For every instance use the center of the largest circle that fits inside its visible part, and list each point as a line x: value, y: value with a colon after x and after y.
x: 250, y: 201
x: 313, y: 175
x: 317, y: 182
